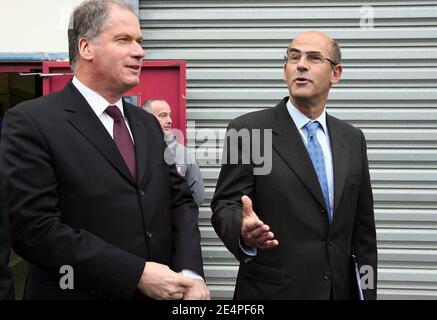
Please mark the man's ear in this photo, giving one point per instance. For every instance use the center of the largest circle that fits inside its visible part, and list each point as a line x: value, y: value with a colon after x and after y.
x: 85, y: 49
x: 285, y: 74
x: 336, y: 74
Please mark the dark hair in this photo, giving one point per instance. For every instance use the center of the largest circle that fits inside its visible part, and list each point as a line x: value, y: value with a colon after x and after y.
x: 88, y: 20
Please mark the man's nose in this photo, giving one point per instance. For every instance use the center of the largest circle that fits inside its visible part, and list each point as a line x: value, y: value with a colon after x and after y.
x: 138, y: 51
x: 302, y: 64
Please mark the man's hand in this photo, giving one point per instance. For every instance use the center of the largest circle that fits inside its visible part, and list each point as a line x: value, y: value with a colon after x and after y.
x: 197, y: 292
x: 254, y: 232
x: 159, y: 282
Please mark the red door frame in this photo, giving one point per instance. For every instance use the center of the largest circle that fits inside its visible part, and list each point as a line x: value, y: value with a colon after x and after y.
x: 60, y: 70
x: 20, y: 67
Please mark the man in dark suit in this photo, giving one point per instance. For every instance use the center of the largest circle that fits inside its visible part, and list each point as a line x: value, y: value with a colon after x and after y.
x: 94, y: 208
x: 295, y: 228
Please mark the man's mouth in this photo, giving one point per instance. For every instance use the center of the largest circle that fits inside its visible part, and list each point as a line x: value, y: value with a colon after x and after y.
x: 135, y: 67
x: 301, y: 80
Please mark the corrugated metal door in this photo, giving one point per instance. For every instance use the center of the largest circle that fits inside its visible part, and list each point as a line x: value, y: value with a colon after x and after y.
x: 234, y: 53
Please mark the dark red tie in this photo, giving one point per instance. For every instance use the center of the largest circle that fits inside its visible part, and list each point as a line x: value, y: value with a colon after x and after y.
x: 123, y: 139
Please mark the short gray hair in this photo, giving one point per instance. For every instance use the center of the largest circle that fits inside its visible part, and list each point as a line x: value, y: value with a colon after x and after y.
x: 336, y: 52
x: 148, y: 104
x: 88, y: 20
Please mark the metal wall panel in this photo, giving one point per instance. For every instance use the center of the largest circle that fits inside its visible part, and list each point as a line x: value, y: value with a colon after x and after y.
x: 234, y: 55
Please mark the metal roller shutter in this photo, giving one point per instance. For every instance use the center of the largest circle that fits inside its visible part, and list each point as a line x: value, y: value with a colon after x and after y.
x: 234, y: 55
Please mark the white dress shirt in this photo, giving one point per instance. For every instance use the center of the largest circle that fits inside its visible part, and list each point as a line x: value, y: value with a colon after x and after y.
x: 99, y: 105
x: 300, y: 120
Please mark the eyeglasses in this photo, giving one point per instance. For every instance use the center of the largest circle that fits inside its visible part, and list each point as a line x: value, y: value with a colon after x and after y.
x: 294, y: 56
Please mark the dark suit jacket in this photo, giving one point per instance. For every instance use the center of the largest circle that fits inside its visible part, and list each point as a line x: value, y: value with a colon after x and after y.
x: 72, y: 200
x: 6, y: 281
x: 313, y: 259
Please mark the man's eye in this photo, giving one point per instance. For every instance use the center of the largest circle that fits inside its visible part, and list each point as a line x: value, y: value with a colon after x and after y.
x: 294, y: 57
x: 315, y: 58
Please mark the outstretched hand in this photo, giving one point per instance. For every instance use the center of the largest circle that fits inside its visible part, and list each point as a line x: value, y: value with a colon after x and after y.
x: 254, y: 232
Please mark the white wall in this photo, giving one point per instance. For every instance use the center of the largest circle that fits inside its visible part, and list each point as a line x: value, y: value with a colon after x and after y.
x: 35, y: 26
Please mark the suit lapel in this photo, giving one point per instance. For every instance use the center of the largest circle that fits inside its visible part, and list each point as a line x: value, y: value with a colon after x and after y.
x: 89, y: 125
x: 340, y: 157
x: 289, y: 145
x: 142, y: 141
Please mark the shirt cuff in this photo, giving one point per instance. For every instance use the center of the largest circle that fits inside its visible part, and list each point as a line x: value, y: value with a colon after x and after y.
x: 250, y: 251
x: 191, y: 274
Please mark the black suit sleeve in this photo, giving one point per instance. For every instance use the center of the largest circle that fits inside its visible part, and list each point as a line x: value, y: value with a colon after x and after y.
x: 6, y: 281
x: 38, y: 231
x: 364, y: 233
x: 186, y: 235
x: 187, y: 254
x: 236, y: 179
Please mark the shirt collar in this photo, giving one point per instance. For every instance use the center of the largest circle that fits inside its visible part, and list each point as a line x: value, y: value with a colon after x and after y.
x: 169, y: 137
x: 300, y: 120
x: 96, y: 101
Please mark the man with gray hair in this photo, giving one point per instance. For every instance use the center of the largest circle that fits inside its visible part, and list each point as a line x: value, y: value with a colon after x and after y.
x: 183, y: 157
x: 94, y: 208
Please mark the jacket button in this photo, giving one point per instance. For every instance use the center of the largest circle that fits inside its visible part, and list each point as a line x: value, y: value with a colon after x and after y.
x: 149, y: 234
x: 329, y: 242
x: 322, y: 210
x: 326, y: 276
x: 141, y: 192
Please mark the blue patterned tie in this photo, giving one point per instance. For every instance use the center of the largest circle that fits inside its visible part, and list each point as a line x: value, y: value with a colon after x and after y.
x: 316, y: 154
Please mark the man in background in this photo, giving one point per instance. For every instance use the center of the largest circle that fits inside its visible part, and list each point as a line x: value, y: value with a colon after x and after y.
x: 183, y: 157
